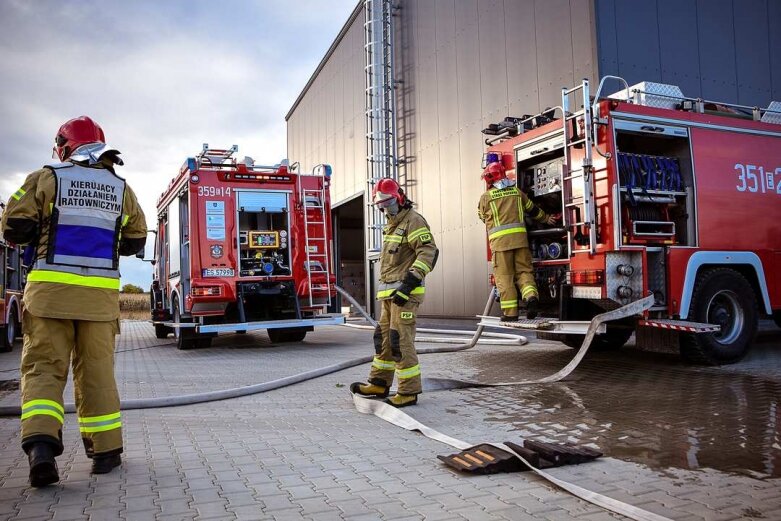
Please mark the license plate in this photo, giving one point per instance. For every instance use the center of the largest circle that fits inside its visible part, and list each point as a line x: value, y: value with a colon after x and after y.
x: 218, y: 272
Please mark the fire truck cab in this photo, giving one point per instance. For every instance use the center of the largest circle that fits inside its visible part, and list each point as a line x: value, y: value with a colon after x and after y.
x: 12, y: 279
x: 241, y: 247
x: 659, y: 194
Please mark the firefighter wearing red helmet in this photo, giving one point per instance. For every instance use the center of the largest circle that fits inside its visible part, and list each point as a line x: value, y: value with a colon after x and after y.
x: 503, y: 209
x: 408, y: 255
x: 78, y: 217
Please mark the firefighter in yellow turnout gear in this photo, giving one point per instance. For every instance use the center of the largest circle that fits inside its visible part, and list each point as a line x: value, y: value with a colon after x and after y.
x: 408, y: 255
x: 503, y: 209
x: 78, y: 216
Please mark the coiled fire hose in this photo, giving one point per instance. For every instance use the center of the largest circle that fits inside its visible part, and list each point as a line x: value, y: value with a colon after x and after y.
x: 401, y: 419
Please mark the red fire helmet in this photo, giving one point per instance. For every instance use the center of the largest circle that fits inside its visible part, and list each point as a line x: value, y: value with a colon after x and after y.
x: 494, y: 172
x: 385, y: 190
x: 75, y: 133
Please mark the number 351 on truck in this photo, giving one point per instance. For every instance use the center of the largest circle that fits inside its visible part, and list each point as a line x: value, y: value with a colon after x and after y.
x: 659, y: 194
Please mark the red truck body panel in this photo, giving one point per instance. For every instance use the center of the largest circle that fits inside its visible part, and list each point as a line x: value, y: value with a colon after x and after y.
x: 735, y: 193
x: 244, y: 230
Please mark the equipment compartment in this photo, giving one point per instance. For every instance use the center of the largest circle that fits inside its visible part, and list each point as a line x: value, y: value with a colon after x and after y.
x: 540, y: 177
x: 263, y: 234
x: 656, y: 184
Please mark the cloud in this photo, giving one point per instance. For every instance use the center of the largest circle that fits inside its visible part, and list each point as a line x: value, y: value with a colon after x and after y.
x: 161, y: 78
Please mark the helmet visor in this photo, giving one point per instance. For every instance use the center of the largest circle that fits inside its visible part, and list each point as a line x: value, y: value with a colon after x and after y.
x: 382, y: 200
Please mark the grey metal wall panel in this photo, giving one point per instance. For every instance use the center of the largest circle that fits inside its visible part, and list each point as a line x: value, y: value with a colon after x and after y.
x: 638, y: 50
x: 716, y: 31
x: 724, y: 50
x: 493, y: 59
x: 582, y: 28
x: 607, y: 44
x: 467, y: 49
x: 447, y: 79
x: 521, y: 63
x: 463, y: 64
x: 774, y: 22
x: 679, y: 52
x: 553, y: 38
x: 752, y: 40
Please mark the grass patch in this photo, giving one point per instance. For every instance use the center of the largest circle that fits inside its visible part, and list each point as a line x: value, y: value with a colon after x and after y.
x: 134, y: 306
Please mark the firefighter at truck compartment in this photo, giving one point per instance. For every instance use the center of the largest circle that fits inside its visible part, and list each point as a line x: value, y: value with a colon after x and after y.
x: 408, y: 255
x: 502, y: 208
x: 80, y: 216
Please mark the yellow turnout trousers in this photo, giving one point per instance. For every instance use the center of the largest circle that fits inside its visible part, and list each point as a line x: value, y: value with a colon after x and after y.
x: 394, y: 347
x: 514, y: 268
x: 50, y: 345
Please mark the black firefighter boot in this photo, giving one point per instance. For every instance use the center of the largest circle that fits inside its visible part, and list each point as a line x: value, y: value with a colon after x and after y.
x: 105, y: 463
x: 43, y: 467
x: 532, y: 307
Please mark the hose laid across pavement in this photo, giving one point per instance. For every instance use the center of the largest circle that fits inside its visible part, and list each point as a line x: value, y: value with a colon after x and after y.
x: 238, y: 392
x: 398, y: 417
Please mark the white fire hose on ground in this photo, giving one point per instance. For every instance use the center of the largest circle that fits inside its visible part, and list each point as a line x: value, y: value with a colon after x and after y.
x: 397, y: 417
x: 494, y: 338
x: 401, y: 419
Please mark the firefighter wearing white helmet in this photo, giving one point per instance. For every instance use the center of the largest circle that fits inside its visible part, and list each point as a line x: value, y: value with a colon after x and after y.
x: 409, y: 253
x: 77, y: 217
x: 503, y: 209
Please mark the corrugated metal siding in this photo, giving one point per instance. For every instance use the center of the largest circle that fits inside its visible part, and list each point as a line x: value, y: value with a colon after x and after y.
x: 723, y: 50
x: 463, y: 64
x: 327, y: 125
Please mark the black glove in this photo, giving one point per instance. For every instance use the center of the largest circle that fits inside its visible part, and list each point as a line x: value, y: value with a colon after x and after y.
x: 402, y: 293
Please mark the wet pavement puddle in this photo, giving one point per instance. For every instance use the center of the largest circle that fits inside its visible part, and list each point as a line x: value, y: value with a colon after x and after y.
x: 646, y: 409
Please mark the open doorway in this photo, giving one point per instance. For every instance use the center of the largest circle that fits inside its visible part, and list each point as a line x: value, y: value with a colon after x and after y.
x: 349, y: 249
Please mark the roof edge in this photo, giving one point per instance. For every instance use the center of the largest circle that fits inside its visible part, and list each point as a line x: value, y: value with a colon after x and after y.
x: 339, y: 37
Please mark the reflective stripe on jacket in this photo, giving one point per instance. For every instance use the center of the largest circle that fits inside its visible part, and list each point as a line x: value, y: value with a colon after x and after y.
x: 407, y: 247
x: 503, y: 211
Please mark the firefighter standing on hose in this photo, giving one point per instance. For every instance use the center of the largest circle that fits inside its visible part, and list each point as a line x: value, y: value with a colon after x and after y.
x: 408, y: 255
x: 503, y: 209
x: 79, y: 217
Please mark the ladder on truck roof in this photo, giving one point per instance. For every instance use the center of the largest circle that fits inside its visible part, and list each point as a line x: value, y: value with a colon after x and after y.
x: 579, y: 211
x: 316, y: 245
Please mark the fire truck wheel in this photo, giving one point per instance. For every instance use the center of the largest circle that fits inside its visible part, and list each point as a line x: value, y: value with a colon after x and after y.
x: 725, y: 297
x: 9, y: 332
x: 613, y: 338
x: 185, y: 338
x: 162, y: 331
x: 286, y: 334
x: 777, y: 318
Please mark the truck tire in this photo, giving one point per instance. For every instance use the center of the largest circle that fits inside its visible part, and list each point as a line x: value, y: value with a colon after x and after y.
x: 725, y: 297
x: 185, y: 339
x: 613, y: 338
x: 162, y: 331
x: 9, y: 332
x: 777, y: 318
x: 286, y: 334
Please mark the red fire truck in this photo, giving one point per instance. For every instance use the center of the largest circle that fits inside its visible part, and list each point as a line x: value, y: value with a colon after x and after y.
x: 660, y: 194
x: 11, y: 284
x: 241, y: 247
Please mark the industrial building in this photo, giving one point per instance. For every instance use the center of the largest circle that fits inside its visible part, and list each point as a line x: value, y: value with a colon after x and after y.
x: 454, y: 66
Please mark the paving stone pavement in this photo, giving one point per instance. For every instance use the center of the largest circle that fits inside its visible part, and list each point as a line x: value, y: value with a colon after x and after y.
x: 687, y: 443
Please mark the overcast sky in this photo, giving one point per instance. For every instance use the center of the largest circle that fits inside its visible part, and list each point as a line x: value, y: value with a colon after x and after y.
x: 160, y: 77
